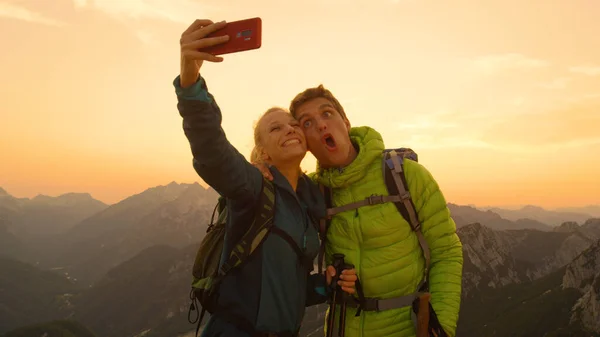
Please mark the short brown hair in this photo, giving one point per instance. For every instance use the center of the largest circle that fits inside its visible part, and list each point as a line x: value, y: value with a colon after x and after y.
x: 312, y: 93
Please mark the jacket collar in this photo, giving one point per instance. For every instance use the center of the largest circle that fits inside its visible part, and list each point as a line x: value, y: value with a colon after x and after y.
x: 369, y: 145
x: 307, y: 192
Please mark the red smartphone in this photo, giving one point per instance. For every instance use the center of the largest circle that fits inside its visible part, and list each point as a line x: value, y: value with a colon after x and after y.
x: 243, y: 35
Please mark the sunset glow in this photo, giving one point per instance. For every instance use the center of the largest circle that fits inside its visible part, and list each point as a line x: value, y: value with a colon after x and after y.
x: 500, y: 99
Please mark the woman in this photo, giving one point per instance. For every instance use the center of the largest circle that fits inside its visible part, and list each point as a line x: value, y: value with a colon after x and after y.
x: 270, y: 292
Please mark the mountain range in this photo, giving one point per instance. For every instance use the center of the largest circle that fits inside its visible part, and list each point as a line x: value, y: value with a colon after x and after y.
x: 72, y: 262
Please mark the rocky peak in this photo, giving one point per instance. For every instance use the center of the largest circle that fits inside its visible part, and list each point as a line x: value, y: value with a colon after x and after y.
x: 583, y: 269
x: 3, y: 193
x: 67, y: 200
x: 584, y: 274
x: 495, y: 258
x: 487, y: 259
x: 593, y: 222
x: 567, y: 227
x: 474, y: 229
x: 532, y: 208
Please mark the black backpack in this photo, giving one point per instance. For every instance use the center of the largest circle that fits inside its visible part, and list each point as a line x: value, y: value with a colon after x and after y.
x: 208, y: 272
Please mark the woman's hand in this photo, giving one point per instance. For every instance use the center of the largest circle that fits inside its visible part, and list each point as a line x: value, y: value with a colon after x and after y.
x: 193, y: 39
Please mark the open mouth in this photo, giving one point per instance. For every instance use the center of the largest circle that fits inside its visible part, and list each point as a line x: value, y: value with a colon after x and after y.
x: 329, y: 142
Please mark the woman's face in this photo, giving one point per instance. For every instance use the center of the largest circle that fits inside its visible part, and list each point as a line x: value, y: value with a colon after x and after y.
x: 281, y: 139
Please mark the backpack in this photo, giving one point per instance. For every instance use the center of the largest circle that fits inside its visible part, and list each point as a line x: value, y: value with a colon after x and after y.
x: 397, y: 187
x: 212, y: 263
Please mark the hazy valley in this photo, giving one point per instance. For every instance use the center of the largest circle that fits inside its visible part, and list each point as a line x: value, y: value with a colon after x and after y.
x: 125, y: 269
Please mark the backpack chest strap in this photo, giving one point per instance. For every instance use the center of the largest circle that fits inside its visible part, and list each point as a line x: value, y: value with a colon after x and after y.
x: 368, y: 201
x: 302, y: 258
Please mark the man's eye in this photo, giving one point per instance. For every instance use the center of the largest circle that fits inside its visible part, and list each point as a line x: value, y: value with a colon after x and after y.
x: 306, y: 124
x: 327, y: 113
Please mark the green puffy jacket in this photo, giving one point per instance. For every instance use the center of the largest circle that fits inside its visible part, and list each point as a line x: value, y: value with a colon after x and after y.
x: 382, y: 246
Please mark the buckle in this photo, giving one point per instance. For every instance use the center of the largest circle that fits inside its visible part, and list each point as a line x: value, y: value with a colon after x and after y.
x: 370, y: 304
x: 405, y: 196
x: 375, y: 199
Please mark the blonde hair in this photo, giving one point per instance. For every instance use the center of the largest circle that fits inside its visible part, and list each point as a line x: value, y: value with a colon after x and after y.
x: 255, y: 156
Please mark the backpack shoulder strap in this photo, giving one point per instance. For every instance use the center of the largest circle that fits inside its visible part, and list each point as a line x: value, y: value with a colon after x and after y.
x: 256, y: 232
x: 324, y: 225
x: 221, y: 211
x: 393, y: 160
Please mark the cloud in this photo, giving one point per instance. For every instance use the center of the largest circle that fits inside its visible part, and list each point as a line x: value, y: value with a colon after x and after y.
x: 583, y: 98
x: 517, y: 101
x: 571, y: 127
x: 589, y: 70
x: 501, y: 62
x: 146, y: 37
x: 464, y: 142
x: 557, y: 83
x: 435, y: 142
x: 178, y: 11
x: 13, y: 11
x: 427, y: 124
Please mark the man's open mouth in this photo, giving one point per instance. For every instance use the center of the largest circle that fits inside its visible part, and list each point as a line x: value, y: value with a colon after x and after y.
x: 329, y: 142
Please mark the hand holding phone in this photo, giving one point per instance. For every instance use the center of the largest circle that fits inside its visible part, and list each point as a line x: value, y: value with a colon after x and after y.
x: 243, y: 35
x: 193, y: 39
x: 203, y: 40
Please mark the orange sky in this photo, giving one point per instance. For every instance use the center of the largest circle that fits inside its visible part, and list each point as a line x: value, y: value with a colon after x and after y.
x: 501, y: 99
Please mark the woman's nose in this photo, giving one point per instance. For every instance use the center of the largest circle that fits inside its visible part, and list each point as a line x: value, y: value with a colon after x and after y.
x: 290, y: 129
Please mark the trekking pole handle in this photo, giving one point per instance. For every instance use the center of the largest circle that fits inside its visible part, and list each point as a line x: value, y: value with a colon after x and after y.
x: 338, y: 264
x: 338, y: 260
x: 341, y: 268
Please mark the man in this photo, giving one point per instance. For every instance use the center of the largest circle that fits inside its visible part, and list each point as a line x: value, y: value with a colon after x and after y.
x: 385, y: 250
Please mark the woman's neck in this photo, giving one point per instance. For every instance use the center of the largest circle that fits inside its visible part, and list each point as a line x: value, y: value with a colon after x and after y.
x: 291, y: 173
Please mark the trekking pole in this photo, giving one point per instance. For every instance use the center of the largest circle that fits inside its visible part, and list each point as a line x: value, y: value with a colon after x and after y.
x: 338, y: 262
x: 342, y: 327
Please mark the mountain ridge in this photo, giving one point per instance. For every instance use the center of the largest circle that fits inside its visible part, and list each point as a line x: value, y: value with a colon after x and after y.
x: 128, y: 267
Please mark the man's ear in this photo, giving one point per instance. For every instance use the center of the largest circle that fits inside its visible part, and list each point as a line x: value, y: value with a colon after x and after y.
x: 347, y: 122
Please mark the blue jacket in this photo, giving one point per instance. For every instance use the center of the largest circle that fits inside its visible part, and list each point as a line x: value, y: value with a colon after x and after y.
x: 272, y: 290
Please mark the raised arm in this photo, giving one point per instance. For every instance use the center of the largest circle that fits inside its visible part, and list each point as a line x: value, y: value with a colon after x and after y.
x: 217, y: 162
x: 445, y: 275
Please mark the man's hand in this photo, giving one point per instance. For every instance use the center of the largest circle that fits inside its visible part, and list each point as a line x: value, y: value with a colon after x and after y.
x: 264, y: 169
x: 193, y: 39
x: 347, y: 280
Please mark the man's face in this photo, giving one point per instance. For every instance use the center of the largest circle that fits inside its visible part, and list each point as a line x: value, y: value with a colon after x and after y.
x: 326, y: 132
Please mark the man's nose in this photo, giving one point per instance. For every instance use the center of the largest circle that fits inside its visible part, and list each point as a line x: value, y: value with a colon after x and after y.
x: 321, y: 125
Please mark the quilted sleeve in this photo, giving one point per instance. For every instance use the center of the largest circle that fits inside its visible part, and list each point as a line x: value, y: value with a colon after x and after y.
x: 215, y: 159
x: 445, y: 276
